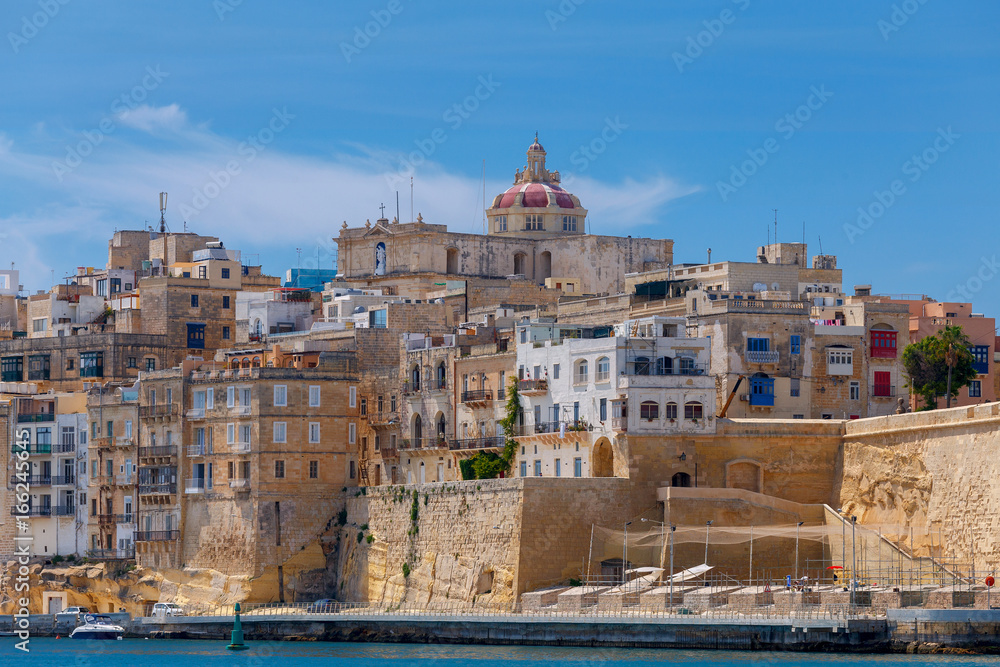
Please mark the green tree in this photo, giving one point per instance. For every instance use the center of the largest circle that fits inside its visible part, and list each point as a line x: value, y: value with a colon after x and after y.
x: 487, y: 465
x: 939, y: 364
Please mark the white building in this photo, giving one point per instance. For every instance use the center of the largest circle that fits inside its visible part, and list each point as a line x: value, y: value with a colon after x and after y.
x: 584, y: 387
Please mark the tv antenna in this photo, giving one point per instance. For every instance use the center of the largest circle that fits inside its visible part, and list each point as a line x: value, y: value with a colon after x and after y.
x: 163, y: 210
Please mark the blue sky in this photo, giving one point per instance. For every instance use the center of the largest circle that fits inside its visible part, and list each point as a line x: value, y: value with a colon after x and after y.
x: 700, y: 118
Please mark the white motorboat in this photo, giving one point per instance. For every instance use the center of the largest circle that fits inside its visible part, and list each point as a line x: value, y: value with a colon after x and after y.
x: 97, y: 626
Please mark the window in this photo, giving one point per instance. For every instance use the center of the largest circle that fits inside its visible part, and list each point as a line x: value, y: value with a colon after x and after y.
x: 882, y: 385
x: 39, y: 324
x: 538, y: 468
x: 12, y: 369
x: 352, y: 397
x: 225, y: 333
x: 793, y: 387
x: 569, y: 223
x: 313, y: 432
x: 761, y: 391
x: 128, y: 287
x: 314, y: 396
x: 524, y: 469
x: 692, y: 410
x: 314, y: 470
x: 364, y: 407
x: 604, y: 409
x: 855, y: 390
x: 883, y: 344
x: 39, y: 367
x: 581, y: 371
x: 279, y: 469
x: 533, y: 222
x: 670, y: 411
x: 245, y: 434
x: 150, y: 365
x: 501, y: 223
x: 353, y: 471
x: 279, y: 431
x: 196, y: 336
x: 91, y: 364
x: 280, y: 395
x: 231, y: 473
x: 649, y: 410
x: 840, y: 361
x: 225, y: 299
x: 230, y: 397
x: 352, y: 433
x: 558, y: 468
x: 555, y: 371
x: 378, y: 319
x: 70, y: 364
x: 603, y: 370
x: 796, y: 344
x: 194, y: 300
x: 210, y: 398
x: 981, y: 358
x: 132, y: 363
x: 758, y: 344
x: 577, y: 467
x: 975, y: 389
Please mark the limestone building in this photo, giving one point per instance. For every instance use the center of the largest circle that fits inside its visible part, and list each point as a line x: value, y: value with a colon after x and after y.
x: 536, y: 231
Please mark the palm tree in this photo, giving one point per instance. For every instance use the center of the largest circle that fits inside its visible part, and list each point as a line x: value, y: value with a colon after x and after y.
x: 953, y: 339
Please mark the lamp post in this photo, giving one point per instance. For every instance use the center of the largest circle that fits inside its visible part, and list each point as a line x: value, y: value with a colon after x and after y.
x: 843, y: 539
x: 625, y: 552
x: 708, y: 527
x: 799, y: 525
x: 672, y: 529
x: 854, y: 561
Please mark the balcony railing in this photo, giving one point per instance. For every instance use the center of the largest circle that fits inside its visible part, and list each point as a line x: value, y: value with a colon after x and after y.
x: 32, y: 449
x: 115, y: 518
x: 686, y: 369
x: 195, y: 413
x: 410, y: 389
x: 161, y: 410
x: 36, y: 417
x: 241, y: 447
x: 532, y: 386
x: 240, y: 410
x: 883, y: 391
x: 111, y: 554
x: 619, y: 423
x: 556, y: 426
x: 156, y: 535
x: 63, y: 480
x: 196, y: 450
x: 762, y: 356
x: 125, y: 479
x: 158, y: 451
x: 157, y: 489
x: 239, y: 484
x: 196, y: 485
x: 488, y: 442
x: 32, y: 480
x: 383, y: 419
x: 425, y: 443
x: 124, y: 441
x: 52, y: 510
x: 65, y: 447
x: 477, y: 396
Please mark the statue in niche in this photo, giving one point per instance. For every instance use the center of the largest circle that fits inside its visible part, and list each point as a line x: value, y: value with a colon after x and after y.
x: 380, y: 259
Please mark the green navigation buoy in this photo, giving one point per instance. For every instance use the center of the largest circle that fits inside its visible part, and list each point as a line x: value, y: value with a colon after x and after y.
x: 237, y: 638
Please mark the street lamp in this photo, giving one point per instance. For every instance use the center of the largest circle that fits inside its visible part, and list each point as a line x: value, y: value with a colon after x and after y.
x: 645, y: 520
x: 843, y: 540
x: 854, y: 561
x: 799, y: 525
x: 672, y: 529
x: 708, y: 526
x: 625, y: 551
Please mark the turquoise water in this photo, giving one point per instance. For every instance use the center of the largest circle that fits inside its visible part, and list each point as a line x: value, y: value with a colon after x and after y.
x: 175, y: 653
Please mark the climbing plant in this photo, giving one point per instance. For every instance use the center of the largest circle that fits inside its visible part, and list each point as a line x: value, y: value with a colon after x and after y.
x: 487, y: 465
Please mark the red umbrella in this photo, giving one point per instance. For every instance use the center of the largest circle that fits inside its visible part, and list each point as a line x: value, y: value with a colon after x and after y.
x: 835, y: 567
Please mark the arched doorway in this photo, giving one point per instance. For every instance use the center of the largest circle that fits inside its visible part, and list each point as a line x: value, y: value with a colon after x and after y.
x: 681, y: 479
x: 440, y: 426
x: 544, y: 266
x: 520, y: 263
x: 744, y: 474
x: 602, y: 459
x: 416, y: 431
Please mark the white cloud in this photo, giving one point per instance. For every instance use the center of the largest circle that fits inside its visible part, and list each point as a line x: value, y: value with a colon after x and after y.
x: 271, y: 198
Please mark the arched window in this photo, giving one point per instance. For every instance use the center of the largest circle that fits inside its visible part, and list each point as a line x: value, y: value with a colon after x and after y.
x: 582, y: 371
x: 641, y: 366
x: 440, y: 427
x: 545, y: 266
x: 670, y: 411
x: 649, y: 410
x: 681, y: 479
x: 416, y: 431
x: 603, y: 370
x: 520, y: 263
x: 255, y: 363
x: 442, y: 381
x: 693, y: 410
x: 665, y: 366
x: 415, y: 377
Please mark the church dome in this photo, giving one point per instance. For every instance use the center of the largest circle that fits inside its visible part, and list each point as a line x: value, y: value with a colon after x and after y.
x: 536, y: 195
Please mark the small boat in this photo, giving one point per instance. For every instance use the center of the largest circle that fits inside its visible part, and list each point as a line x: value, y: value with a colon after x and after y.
x: 96, y: 626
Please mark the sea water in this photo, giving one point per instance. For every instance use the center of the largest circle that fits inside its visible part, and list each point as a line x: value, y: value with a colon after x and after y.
x: 49, y: 652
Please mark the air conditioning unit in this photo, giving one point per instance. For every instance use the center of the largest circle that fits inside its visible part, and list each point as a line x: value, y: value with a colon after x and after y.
x: 744, y: 397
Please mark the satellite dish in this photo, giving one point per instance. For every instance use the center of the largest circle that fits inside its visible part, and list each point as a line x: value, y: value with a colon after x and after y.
x: 760, y: 287
x: 359, y: 309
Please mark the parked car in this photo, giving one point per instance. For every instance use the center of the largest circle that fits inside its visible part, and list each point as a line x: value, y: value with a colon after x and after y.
x: 73, y: 611
x: 321, y: 606
x: 167, y: 609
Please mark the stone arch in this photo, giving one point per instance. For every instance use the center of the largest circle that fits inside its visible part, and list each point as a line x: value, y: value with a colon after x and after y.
x: 544, y: 266
x: 451, y: 261
x: 416, y: 429
x: 520, y: 263
x: 440, y: 425
x: 681, y: 479
x: 602, y: 462
x: 747, y: 474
